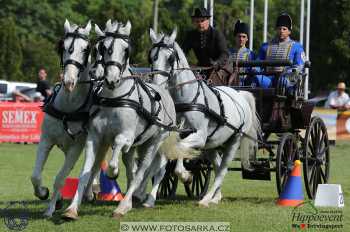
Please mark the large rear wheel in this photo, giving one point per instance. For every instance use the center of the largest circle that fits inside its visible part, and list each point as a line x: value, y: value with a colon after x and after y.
x: 168, y: 185
x: 316, y: 156
x: 287, y: 153
x: 201, y: 170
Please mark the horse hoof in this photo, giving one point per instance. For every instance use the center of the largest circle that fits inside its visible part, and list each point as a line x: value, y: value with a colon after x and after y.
x: 188, y: 181
x: 136, y: 200
x: 146, y: 205
x: 117, y: 216
x: 47, y: 215
x: 70, y: 215
x: 59, y: 204
x: 90, y: 199
x: 203, y: 205
x: 43, y: 193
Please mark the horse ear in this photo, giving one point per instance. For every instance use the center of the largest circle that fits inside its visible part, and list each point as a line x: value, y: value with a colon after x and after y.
x: 66, y: 26
x: 108, y: 24
x: 98, y: 31
x: 127, y: 28
x: 87, y: 29
x: 173, y: 36
x: 153, y: 35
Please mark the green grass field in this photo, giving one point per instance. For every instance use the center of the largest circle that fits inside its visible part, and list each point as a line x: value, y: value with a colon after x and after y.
x: 248, y: 205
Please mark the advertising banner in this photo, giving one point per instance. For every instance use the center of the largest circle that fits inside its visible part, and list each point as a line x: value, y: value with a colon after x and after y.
x: 20, y: 122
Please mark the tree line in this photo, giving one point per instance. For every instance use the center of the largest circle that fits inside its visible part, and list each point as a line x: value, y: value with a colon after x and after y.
x: 30, y: 30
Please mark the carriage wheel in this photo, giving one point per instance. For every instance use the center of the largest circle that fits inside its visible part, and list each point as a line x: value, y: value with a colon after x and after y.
x: 287, y: 153
x: 168, y: 185
x: 316, y: 156
x: 201, y: 170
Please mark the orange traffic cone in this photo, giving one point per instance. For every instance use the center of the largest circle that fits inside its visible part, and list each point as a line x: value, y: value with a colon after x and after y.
x: 110, y: 190
x: 292, y: 194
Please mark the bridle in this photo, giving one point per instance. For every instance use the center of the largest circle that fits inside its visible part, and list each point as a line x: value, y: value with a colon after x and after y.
x: 174, y: 56
x: 102, y: 50
x: 61, y: 49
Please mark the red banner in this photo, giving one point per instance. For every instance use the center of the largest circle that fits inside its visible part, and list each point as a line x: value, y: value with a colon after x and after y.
x: 20, y: 122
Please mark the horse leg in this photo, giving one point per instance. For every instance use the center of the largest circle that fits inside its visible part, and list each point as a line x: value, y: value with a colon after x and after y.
x: 228, y: 154
x: 43, y: 151
x: 159, y: 166
x: 130, y: 165
x: 89, y: 194
x: 120, y: 141
x: 193, y: 141
x: 71, y: 157
x: 91, y: 150
x: 184, y: 175
x: 156, y: 172
x: 149, y: 150
x: 140, y: 193
x: 214, y: 157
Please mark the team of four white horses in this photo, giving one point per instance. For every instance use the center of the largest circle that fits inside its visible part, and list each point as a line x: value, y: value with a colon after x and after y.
x: 174, y: 115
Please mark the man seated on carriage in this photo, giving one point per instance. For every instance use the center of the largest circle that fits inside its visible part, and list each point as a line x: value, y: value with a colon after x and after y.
x: 282, y: 47
x: 208, y: 44
x: 241, y: 53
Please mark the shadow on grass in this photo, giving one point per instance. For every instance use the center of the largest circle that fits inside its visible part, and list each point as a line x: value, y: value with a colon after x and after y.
x: 34, y: 209
x: 252, y: 200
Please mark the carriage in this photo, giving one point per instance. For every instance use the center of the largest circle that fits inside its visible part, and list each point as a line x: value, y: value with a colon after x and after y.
x: 289, y: 133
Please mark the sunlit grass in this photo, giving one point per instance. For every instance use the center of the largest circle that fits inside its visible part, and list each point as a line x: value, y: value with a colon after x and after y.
x: 248, y: 205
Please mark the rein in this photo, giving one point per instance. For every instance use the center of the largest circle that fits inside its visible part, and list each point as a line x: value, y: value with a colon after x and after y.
x: 75, y: 116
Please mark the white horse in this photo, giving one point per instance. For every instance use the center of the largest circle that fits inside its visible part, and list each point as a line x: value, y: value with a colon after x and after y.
x: 66, y: 113
x: 131, y: 114
x: 157, y: 168
x: 221, y: 118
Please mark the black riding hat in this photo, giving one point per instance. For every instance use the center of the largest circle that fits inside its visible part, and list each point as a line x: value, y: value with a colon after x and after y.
x: 284, y: 20
x: 241, y: 27
x: 201, y: 13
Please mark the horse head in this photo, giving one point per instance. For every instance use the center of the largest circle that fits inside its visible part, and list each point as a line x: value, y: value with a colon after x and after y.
x: 114, y: 50
x: 163, y: 55
x: 74, y: 50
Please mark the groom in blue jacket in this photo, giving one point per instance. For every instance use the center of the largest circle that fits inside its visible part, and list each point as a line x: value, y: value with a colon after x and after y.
x: 282, y: 47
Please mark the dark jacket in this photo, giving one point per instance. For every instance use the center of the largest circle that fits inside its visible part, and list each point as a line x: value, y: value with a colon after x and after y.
x: 208, y: 46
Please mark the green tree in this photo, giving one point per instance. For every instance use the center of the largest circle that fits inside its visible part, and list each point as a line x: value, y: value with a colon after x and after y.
x: 40, y: 53
x: 10, y: 51
x: 329, y: 47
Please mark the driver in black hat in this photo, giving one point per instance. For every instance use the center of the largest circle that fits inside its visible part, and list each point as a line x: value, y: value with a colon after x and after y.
x: 209, y: 45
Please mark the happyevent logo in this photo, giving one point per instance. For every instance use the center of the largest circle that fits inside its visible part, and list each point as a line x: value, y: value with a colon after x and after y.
x: 307, y: 216
x: 15, y: 216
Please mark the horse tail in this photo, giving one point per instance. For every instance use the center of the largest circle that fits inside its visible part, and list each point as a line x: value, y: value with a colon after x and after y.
x: 249, y: 146
x: 172, y: 148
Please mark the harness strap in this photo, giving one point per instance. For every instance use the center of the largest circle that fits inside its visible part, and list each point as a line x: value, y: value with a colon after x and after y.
x: 222, y: 110
x: 117, y: 102
x: 221, y: 120
x: 73, y: 117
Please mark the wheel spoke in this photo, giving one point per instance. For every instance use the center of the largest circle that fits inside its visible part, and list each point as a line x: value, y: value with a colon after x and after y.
x: 284, y: 179
x: 323, y: 178
x: 323, y: 151
x: 202, y: 176
x: 197, y: 186
x: 312, y: 173
x: 311, y: 147
x: 316, y: 181
x: 322, y: 137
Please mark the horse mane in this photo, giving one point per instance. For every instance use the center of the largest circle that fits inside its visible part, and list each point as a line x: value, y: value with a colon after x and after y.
x: 182, y: 58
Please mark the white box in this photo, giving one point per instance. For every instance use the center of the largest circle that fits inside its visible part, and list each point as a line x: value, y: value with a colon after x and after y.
x: 329, y: 195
